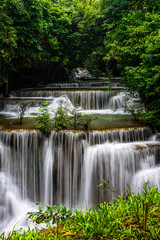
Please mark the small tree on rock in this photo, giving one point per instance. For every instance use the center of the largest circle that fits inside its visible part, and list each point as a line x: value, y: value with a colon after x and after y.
x: 20, y: 110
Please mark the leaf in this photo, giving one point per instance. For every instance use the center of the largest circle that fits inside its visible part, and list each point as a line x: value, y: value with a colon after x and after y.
x: 68, y: 234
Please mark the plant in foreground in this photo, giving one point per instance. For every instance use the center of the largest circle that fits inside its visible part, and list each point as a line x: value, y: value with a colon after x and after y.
x: 50, y: 214
x: 125, y: 218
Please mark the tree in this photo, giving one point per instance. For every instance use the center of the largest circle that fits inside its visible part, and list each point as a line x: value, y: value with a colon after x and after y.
x: 33, y: 33
x: 20, y: 110
x: 86, y: 36
x: 135, y: 46
x: 8, y: 45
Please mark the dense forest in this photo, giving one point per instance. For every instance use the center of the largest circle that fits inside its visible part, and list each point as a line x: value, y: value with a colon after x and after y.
x: 109, y: 38
x: 92, y: 169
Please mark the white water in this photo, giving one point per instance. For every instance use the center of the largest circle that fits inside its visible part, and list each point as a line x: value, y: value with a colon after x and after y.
x: 68, y: 167
x: 13, y: 208
x: 88, y: 102
x: 118, y: 163
x: 60, y: 102
x: 150, y: 174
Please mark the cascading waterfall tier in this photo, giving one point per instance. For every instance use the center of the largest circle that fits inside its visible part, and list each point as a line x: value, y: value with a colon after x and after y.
x: 118, y: 164
x: 67, y: 167
x: 13, y: 207
x: 85, y: 99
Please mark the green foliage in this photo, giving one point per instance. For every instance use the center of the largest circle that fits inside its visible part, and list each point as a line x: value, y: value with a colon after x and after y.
x: 82, y: 120
x: 113, y: 10
x: 14, y: 121
x: 137, y: 110
x: 86, y: 120
x: 135, y: 45
x: 133, y: 217
x: 144, y: 115
x: 8, y: 42
x: 44, y: 120
x: 50, y: 214
x: 86, y: 36
x: 78, y: 132
x: 151, y: 117
x: 32, y: 32
x: 119, y: 37
x: 104, y: 185
x: 61, y: 119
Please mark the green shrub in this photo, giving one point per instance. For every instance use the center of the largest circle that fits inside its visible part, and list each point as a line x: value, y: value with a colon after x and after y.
x: 61, y: 119
x: 44, y: 120
x: 82, y: 120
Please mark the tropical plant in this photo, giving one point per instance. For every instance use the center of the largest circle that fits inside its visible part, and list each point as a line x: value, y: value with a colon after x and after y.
x: 131, y: 216
x: 44, y: 120
x: 50, y: 214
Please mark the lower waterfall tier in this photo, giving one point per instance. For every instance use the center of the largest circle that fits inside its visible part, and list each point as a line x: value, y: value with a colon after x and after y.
x: 68, y: 167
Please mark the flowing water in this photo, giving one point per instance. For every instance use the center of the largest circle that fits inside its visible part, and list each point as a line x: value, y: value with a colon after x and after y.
x: 67, y: 167
x: 86, y: 100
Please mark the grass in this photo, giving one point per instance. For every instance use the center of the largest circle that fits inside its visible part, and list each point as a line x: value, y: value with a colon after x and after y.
x: 134, y: 216
x: 102, y: 122
x: 8, y: 124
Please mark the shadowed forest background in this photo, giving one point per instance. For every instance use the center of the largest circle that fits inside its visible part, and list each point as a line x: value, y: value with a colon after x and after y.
x: 42, y: 41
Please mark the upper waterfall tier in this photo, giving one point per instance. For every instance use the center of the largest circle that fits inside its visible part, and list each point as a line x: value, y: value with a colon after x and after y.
x: 85, y: 84
x: 85, y: 99
x: 106, y: 103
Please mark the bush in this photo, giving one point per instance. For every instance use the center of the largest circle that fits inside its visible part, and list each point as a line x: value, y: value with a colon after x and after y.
x: 62, y: 119
x: 80, y: 119
x: 44, y: 120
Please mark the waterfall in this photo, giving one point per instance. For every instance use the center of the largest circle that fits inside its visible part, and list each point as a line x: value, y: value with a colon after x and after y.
x: 117, y: 163
x: 48, y: 168
x: 87, y: 100
x: 150, y: 175
x: 68, y: 166
x: 13, y: 207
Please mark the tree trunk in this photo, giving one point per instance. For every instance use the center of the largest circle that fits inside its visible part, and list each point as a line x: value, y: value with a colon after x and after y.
x: 6, y: 88
x: 145, y: 6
